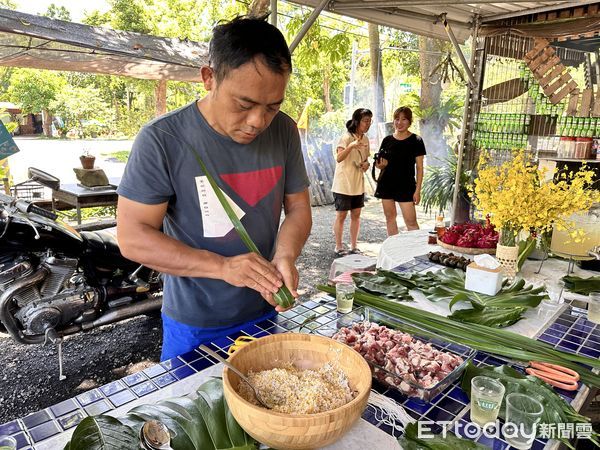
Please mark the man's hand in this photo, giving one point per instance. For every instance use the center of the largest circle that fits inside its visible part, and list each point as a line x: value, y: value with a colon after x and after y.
x: 287, y: 269
x: 253, y: 271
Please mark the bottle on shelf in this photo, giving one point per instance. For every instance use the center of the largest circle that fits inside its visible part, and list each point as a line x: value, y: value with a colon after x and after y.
x: 440, y: 226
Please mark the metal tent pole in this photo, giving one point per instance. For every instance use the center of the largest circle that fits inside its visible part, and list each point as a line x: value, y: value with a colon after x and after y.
x: 274, y: 13
x: 463, y: 134
x: 313, y: 17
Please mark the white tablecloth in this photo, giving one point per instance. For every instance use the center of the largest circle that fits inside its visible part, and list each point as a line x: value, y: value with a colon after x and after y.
x: 403, y: 247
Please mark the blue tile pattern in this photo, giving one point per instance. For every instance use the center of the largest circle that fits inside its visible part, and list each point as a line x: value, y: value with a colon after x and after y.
x: 571, y: 331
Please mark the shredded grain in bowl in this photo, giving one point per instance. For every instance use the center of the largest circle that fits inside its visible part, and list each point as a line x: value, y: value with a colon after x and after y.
x: 294, y: 391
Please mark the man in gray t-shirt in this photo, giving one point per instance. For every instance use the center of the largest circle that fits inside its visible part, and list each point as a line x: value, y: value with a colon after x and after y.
x: 169, y: 217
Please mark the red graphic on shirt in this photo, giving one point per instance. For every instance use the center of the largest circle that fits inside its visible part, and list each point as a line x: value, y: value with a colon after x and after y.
x: 254, y: 186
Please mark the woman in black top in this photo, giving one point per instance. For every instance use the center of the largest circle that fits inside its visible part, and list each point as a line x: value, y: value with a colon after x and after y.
x: 401, y: 152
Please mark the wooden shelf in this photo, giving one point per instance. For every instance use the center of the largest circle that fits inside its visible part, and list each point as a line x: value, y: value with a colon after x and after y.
x: 579, y: 160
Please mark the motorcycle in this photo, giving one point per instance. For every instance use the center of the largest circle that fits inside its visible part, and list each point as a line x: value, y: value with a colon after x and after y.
x: 56, y: 281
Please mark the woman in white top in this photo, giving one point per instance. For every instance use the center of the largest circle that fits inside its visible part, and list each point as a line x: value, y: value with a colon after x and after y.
x: 348, y: 186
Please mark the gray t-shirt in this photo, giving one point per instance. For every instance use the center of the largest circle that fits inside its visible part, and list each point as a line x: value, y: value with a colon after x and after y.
x: 256, y: 176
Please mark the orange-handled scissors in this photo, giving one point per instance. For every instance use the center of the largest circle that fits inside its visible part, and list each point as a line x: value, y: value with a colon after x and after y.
x: 557, y: 376
x: 239, y: 343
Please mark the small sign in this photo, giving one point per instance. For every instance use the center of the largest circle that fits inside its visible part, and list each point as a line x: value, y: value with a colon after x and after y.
x: 7, y: 144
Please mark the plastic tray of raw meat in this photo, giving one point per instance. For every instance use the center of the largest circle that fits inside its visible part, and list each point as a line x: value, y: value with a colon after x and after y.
x: 399, y: 357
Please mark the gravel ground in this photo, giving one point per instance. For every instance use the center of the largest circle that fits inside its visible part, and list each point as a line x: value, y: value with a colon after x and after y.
x: 29, y: 377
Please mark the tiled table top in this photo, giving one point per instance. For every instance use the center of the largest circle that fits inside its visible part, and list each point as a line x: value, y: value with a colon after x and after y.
x: 570, y: 332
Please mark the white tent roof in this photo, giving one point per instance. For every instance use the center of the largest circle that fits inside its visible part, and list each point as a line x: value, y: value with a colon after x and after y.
x: 422, y: 16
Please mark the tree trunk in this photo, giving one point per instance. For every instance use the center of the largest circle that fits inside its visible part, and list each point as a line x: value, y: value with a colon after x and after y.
x: 161, y: 97
x: 47, y: 123
x: 326, y: 91
x: 376, y: 76
x: 258, y: 8
x: 431, y: 128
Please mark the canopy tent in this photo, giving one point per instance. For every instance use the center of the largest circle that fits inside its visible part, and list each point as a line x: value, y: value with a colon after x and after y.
x: 423, y: 16
x: 38, y: 42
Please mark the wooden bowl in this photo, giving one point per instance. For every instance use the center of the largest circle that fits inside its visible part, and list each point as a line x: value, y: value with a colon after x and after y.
x: 306, y: 351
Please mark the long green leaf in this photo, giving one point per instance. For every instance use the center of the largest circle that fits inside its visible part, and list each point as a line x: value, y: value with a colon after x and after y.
x: 204, y: 423
x: 283, y: 296
x: 556, y: 410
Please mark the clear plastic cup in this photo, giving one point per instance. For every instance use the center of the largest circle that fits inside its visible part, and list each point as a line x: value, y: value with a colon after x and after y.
x: 344, y: 296
x: 8, y: 443
x: 522, y: 416
x: 486, y: 398
x: 594, y: 307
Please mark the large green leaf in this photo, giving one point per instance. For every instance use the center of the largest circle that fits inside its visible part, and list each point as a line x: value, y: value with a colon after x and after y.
x: 489, y: 316
x: 410, y: 441
x: 380, y: 284
x: 556, y: 410
x: 580, y: 285
x: 203, y: 423
x: 102, y: 433
x: 500, y: 310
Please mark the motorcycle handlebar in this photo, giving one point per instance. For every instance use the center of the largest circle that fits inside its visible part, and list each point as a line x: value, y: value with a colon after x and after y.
x: 25, y: 207
x: 43, y: 212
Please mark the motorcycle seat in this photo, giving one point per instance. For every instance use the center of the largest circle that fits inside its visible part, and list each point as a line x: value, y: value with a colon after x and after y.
x: 101, y: 241
x: 103, y: 250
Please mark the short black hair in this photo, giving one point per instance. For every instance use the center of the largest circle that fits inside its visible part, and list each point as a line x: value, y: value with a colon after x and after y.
x: 357, y: 116
x: 243, y: 39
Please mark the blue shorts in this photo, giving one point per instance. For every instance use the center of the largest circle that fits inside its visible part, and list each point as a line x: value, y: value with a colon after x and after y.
x: 179, y: 338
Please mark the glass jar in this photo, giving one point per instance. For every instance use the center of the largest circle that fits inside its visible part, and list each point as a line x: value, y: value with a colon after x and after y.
x: 589, y: 223
x: 432, y: 238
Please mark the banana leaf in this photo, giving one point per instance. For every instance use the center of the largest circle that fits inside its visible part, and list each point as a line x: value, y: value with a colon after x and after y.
x: 203, y: 423
x: 380, y: 284
x: 489, y: 316
x: 410, y: 441
x: 556, y: 410
x: 283, y: 296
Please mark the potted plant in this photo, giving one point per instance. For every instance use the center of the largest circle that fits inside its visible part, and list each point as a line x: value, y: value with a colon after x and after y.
x: 87, y: 160
x: 520, y: 202
x: 438, y: 189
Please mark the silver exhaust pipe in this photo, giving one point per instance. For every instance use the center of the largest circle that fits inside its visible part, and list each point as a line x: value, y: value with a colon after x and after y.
x: 125, y: 312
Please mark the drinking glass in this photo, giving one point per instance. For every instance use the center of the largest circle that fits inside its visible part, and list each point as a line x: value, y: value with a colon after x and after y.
x: 344, y: 296
x: 486, y: 398
x: 8, y: 443
x: 594, y: 307
x: 522, y: 416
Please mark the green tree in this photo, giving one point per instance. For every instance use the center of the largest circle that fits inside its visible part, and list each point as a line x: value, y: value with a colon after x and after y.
x: 58, y: 12
x: 34, y: 91
x: 321, y: 54
x: 8, y: 4
x: 81, y: 108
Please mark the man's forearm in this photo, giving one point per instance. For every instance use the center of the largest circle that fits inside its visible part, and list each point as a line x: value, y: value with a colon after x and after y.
x: 158, y: 251
x: 293, y: 233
